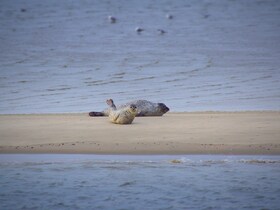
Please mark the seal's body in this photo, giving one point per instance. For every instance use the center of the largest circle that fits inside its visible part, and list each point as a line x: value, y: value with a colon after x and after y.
x: 123, y: 115
x: 144, y: 108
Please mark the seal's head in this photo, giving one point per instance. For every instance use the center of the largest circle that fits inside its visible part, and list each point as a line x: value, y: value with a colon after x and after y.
x: 163, y: 108
x: 133, y: 109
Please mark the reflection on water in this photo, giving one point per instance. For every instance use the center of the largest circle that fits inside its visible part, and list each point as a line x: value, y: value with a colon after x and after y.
x: 64, y: 56
x: 137, y: 182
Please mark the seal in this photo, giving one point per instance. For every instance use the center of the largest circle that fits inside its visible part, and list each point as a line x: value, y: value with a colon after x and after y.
x: 123, y: 115
x: 144, y: 108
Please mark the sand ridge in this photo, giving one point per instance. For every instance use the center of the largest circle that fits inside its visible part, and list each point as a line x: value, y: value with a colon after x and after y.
x: 174, y: 133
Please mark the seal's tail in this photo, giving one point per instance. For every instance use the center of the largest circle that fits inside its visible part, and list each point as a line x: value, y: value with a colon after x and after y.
x: 95, y: 114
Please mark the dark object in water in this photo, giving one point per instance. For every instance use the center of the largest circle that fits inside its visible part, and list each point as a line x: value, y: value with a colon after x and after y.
x: 112, y: 19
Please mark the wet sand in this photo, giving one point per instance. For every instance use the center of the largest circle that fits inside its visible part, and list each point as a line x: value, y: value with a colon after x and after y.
x: 174, y: 133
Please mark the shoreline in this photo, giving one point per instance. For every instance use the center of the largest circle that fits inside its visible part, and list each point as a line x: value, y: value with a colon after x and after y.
x: 172, y: 112
x: 183, y: 133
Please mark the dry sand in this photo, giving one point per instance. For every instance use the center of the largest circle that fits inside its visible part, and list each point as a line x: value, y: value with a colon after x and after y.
x: 174, y: 133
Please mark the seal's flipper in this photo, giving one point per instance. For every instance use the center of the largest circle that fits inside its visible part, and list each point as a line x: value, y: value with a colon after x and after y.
x: 111, y: 104
x: 96, y: 114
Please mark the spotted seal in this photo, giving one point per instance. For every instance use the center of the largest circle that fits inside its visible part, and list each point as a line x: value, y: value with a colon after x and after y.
x: 123, y: 115
x: 144, y: 108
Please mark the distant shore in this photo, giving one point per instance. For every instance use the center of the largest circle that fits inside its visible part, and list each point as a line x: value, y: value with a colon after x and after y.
x: 174, y: 133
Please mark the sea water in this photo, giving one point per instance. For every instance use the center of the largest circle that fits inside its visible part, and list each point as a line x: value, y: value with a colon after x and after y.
x: 65, y: 56
x: 139, y: 182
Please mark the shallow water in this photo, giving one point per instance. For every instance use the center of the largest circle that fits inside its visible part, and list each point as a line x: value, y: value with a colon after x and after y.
x: 139, y: 182
x: 64, y: 56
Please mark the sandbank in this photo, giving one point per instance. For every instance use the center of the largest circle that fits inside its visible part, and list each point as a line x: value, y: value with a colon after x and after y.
x: 174, y: 133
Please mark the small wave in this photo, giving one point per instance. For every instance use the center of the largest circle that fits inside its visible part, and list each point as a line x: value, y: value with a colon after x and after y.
x: 23, y: 81
x: 25, y: 164
x: 208, y: 162
x: 102, y: 82
x: 93, y: 82
x: 188, y: 72
x: 126, y: 184
x: 175, y: 80
x: 119, y: 74
x: 143, y: 78
x: 59, y: 89
x: 216, y: 161
x: 198, y: 162
x: 257, y: 161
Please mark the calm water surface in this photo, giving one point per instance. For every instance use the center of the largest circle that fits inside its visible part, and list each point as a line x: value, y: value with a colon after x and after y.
x: 139, y: 182
x: 65, y: 56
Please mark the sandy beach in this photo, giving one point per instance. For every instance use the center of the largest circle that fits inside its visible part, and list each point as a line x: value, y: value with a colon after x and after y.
x: 174, y: 133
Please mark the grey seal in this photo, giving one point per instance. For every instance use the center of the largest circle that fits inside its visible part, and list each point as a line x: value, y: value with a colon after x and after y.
x: 144, y: 108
